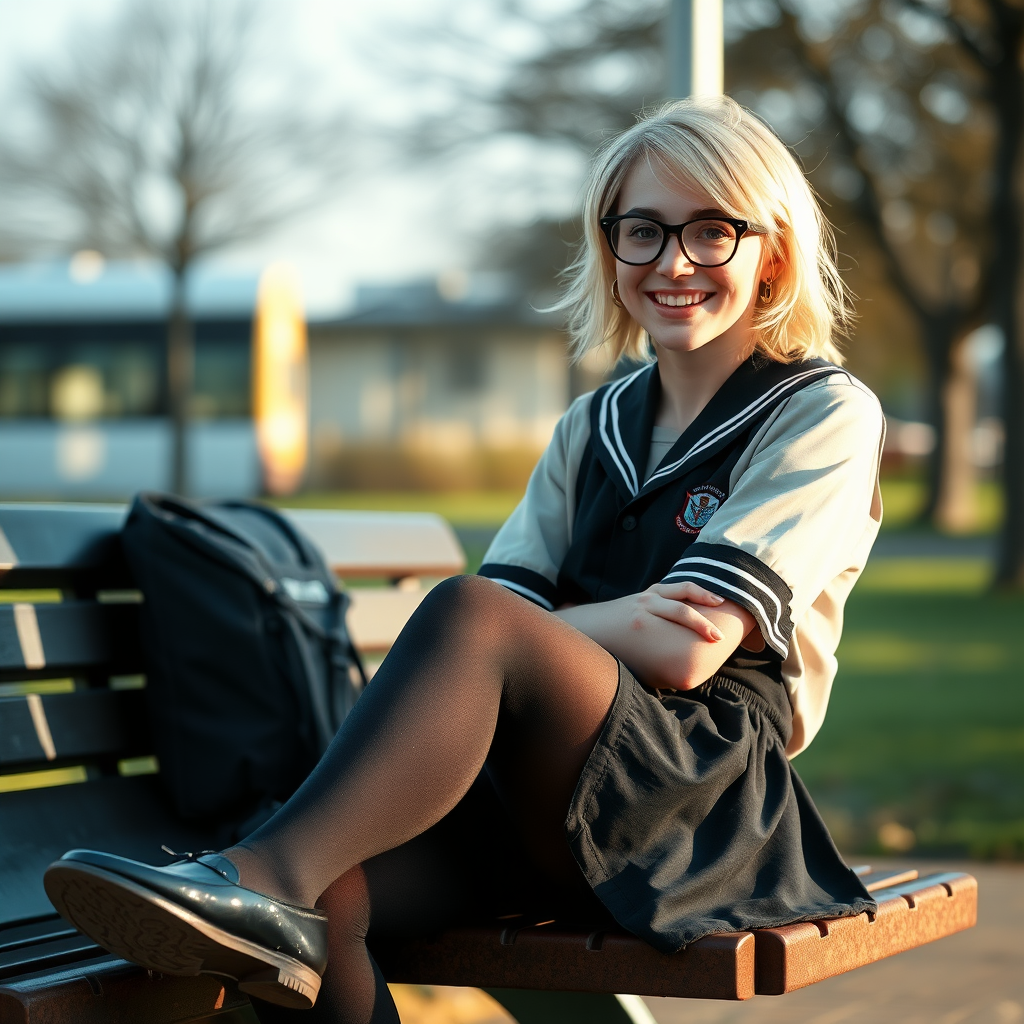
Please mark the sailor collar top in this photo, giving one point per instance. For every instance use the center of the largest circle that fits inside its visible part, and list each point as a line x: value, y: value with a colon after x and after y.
x: 769, y: 498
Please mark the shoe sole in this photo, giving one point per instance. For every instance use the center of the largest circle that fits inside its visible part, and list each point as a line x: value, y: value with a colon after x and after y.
x: 152, y: 931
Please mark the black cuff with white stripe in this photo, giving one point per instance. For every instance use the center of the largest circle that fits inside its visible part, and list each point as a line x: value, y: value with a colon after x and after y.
x: 525, y: 582
x: 740, y: 577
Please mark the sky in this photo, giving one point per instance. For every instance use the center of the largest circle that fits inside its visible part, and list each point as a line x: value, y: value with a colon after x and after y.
x: 333, y: 42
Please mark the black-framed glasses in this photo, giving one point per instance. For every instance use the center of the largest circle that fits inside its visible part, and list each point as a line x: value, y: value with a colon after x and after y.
x: 705, y: 241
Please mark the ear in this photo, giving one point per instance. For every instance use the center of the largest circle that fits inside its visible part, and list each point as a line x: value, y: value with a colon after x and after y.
x: 770, y: 267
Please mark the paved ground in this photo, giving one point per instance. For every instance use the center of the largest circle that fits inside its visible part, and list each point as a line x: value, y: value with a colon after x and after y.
x: 976, y: 977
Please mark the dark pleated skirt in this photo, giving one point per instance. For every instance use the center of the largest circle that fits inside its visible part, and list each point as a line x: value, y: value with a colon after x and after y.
x: 689, y: 819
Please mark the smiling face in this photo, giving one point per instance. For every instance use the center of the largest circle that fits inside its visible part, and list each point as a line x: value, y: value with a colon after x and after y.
x: 685, y: 308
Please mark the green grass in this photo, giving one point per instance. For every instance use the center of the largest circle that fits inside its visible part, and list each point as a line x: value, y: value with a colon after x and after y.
x: 460, y: 508
x: 903, y: 498
x: 926, y: 723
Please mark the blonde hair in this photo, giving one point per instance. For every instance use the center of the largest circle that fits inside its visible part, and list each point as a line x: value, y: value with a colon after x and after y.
x: 726, y: 151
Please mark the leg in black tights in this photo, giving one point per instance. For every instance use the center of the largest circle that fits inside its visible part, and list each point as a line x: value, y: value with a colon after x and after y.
x: 478, y: 673
x: 470, y: 868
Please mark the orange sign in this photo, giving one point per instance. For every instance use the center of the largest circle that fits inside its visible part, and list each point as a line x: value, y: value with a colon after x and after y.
x: 280, y: 379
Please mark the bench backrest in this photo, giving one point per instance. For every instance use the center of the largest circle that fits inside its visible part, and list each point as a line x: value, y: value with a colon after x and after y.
x: 75, y: 764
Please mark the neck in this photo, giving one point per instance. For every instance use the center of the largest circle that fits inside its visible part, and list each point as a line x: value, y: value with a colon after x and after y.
x: 689, y: 380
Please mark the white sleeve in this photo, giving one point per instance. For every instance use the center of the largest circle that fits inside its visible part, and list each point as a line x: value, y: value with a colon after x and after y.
x: 528, y: 550
x: 801, y: 498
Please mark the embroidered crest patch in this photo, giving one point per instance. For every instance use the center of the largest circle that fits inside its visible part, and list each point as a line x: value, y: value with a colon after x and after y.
x: 701, y: 504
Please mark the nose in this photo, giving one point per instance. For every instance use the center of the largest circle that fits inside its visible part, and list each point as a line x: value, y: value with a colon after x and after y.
x: 673, y: 262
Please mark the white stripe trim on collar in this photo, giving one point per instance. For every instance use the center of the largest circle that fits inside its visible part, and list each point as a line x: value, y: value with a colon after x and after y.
x: 736, y: 421
x: 611, y: 398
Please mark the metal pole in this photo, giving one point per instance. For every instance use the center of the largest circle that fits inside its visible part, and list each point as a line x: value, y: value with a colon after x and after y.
x: 694, y: 49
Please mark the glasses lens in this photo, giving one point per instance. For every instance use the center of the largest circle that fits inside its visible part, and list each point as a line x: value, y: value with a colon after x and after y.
x: 635, y: 240
x: 710, y: 242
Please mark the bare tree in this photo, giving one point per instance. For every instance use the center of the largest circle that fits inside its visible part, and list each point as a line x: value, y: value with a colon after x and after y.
x: 157, y: 136
x: 990, y: 34
x: 915, y: 181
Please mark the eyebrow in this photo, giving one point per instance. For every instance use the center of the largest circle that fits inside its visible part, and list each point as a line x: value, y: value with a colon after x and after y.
x: 646, y: 211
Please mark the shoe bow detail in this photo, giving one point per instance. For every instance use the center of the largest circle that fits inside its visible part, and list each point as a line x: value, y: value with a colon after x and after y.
x: 207, y: 859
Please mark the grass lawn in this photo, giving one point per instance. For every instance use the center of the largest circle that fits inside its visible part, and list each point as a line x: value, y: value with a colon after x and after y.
x: 460, y: 508
x: 923, y: 746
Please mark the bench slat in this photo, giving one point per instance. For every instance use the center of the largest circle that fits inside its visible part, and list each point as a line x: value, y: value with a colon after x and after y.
x: 108, y: 990
x: 378, y: 615
x: 87, y: 723
x: 71, y: 634
x: 55, y: 545
x: 875, y: 880
x: 909, y: 915
x: 47, y: 955
x: 360, y: 545
x: 59, y: 545
x: 125, y: 815
x: 552, y: 959
x: 53, y: 927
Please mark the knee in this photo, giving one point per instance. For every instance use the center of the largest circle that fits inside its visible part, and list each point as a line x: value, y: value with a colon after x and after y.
x: 464, y: 598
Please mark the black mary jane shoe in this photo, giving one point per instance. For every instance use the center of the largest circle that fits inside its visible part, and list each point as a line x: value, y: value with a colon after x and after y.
x: 192, y: 917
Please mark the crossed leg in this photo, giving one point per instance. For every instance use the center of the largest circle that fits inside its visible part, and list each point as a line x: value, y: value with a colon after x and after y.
x: 478, y: 674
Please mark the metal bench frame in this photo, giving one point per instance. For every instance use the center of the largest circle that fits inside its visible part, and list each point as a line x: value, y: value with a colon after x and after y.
x: 72, y: 711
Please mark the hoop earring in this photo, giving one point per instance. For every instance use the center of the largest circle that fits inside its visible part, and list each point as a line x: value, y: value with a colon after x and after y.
x: 615, y: 294
x: 766, y: 291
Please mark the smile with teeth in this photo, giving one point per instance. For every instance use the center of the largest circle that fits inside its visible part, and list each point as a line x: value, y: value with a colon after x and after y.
x: 680, y: 298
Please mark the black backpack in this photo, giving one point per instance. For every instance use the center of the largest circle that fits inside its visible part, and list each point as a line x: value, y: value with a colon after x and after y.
x: 250, y: 668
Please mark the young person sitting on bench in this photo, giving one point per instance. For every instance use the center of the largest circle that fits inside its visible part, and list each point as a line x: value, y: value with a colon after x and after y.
x: 599, y: 724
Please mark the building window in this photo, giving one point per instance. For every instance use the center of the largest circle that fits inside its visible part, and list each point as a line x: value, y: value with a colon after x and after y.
x: 467, y: 367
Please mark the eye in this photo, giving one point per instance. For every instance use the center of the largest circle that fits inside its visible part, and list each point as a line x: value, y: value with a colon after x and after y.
x: 643, y: 232
x: 715, y: 231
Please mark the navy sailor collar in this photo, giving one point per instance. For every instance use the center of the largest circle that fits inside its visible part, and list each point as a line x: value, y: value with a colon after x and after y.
x: 622, y: 418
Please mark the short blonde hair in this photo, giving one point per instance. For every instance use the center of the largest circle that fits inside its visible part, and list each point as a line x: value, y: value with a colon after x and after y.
x: 726, y: 151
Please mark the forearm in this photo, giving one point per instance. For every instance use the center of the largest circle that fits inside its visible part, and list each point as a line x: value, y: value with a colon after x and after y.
x: 664, y: 654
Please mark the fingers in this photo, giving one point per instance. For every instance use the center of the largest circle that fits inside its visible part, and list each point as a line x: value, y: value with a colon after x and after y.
x: 688, y: 592
x: 683, y: 614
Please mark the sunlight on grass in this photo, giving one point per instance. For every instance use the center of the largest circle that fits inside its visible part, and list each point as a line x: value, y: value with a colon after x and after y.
x: 924, y: 738
x: 888, y: 652
x: 460, y: 508
x: 925, y: 576
x: 903, y: 499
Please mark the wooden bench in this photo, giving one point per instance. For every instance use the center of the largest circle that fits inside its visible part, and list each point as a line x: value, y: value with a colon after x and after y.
x: 76, y: 770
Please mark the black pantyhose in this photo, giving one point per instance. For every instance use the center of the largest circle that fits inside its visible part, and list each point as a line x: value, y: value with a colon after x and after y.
x: 478, y: 673
x: 470, y: 868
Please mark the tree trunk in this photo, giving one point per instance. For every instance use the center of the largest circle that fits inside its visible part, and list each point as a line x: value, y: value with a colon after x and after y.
x: 949, y: 408
x: 180, y: 377
x: 935, y: 351
x: 1010, y: 567
x: 1007, y: 85
x: 956, y: 509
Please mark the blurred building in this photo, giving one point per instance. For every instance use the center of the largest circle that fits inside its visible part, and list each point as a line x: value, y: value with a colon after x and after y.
x: 437, y: 384
x: 83, y: 386
x: 434, y: 384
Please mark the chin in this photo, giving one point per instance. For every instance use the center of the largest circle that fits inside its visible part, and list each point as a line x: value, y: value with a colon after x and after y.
x: 680, y: 345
